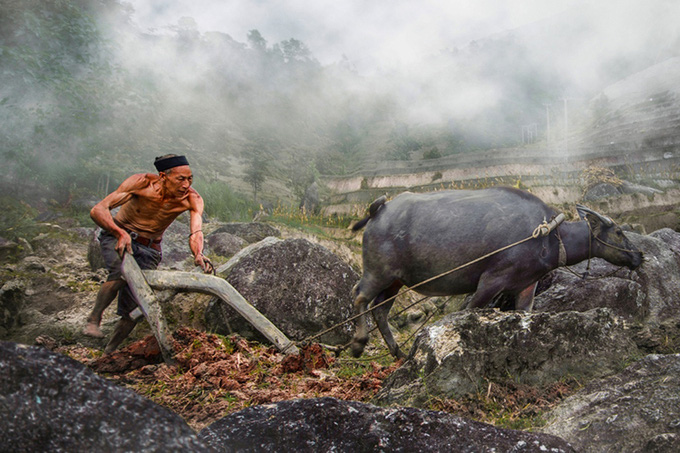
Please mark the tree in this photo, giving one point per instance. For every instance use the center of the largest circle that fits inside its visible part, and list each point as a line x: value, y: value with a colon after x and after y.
x: 58, y: 86
x: 257, y: 154
x: 294, y: 50
x: 256, y: 41
x: 301, y: 173
x: 256, y: 173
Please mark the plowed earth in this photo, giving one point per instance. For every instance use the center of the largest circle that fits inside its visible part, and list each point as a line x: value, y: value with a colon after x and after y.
x: 214, y: 375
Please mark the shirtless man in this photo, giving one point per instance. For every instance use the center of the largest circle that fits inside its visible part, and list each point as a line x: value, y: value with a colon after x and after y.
x: 148, y: 205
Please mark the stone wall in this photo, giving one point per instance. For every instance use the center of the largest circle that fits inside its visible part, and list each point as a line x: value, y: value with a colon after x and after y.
x: 636, y: 134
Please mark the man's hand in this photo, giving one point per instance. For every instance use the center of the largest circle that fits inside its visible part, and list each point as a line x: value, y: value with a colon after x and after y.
x: 124, y: 244
x: 205, y: 264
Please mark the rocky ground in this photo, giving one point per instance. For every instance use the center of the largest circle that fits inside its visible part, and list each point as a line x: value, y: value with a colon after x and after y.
x: 596, y: 358
x: 54, y: 287
x: 215, y: 376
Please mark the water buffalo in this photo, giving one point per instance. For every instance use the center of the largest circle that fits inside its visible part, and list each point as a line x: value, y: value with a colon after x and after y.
x: 415, y: 237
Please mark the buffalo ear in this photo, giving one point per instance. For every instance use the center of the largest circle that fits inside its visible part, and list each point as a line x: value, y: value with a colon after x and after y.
x: 595, y: 223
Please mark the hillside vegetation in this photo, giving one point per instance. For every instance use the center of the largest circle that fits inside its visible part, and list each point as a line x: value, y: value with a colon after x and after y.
x: 86, y: 98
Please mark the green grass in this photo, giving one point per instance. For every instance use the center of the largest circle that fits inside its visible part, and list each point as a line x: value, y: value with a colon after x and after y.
x: 17, y: 218
x: 225, y: 204
x: 293, y: 217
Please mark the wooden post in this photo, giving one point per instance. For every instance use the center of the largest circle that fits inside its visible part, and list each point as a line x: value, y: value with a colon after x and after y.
x: 146, y: 300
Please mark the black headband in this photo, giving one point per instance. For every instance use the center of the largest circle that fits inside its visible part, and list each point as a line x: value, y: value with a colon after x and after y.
x: 170, y: 162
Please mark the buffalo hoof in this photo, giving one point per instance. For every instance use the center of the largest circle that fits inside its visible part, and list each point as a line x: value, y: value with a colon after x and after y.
x: 358, y: 346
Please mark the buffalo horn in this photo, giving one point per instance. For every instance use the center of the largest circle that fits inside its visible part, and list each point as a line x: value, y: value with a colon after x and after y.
x: 582, y: 211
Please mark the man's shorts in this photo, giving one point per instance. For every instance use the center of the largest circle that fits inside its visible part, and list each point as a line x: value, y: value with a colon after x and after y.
x: 146, y: 257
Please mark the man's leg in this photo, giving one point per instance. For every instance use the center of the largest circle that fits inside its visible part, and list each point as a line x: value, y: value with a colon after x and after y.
x: 107, y: 293
x: 123, y: 328
x: 146, y: 258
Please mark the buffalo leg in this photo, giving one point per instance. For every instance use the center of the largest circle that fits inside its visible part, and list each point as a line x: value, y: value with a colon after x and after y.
x: 525, y: 299
x: 484, y: 294
x: 380, y: 316
x: 361, y: 335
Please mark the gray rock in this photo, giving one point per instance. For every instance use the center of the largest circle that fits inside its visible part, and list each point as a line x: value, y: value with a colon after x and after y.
x: 33, y: 264
x: 11, y: 304
x: 328, y: 424
x: 225, y: 244
x: 226, y: 268
x: 250, y: 232
x: 301, y: 287
x: 51, y: 245
x: 49, y: 402
x: 454, y: 356
x: 8, y: 249
x: 659, y: 277
x: 637, y: 410
x: 94, y: 252
x: 629, y: 187
x: 639, y: 295
x: 176, y: 252
x: 600, y: 191
x: 568, y: 292
x: 310, y: 201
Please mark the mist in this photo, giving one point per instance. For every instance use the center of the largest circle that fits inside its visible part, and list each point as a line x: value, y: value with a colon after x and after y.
x: 302, y: 88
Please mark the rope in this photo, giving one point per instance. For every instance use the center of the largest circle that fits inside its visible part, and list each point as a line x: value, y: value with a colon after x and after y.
x: 586, y: 274
x: 541, y: 230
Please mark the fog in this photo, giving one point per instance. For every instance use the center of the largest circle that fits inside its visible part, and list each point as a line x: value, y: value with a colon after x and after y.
x: 428, y: 53
x: 377, y: 34
x: 302, y: 87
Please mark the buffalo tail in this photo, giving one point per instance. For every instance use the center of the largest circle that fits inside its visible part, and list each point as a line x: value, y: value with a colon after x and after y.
x: 372, y: 210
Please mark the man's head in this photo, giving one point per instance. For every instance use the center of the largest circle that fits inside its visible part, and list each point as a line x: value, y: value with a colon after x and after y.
x: 175, y: 174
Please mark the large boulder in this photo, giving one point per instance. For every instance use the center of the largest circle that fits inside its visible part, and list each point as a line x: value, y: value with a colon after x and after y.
x: 565, y: 291
x: 176, y: 252
x: 640, y: 295
x: 454, y: 356
x: 301, y: 287
x: 602, y: 190
x: 49, y: 402
x: 11, y: 304
x: 250, y: 232
x: 637, y: 410
x: 328, y: 424
x: 606, y: 190
x: 225, y: 244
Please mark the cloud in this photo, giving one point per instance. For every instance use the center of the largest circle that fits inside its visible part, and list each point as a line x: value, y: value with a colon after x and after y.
x: 377, y: 33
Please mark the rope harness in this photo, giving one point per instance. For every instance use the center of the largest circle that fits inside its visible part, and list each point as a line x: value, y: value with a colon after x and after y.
x: 586, y: 274
x: 542, y: 230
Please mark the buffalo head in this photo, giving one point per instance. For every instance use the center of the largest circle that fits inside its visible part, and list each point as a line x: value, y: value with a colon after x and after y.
x: 608, y: 240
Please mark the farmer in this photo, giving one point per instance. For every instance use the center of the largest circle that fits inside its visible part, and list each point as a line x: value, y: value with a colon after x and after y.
x: 148, y: 205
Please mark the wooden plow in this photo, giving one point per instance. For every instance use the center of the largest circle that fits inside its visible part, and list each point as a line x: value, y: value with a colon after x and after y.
x: 142, y: 283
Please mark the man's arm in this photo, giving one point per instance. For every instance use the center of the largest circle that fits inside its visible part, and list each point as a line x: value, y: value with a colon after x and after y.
x: 196, y: 232
x: 101, y: 212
